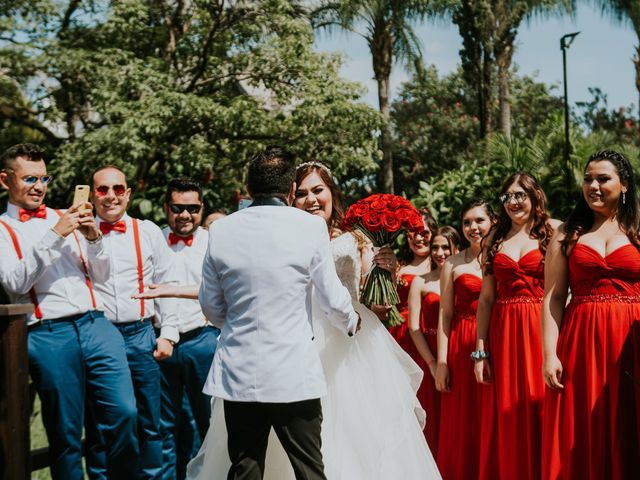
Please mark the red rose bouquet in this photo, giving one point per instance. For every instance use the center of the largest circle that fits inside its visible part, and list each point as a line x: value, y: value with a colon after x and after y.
x: 381, y: 218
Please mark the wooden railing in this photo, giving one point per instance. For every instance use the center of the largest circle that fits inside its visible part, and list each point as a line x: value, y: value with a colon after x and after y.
x: 15, y: 402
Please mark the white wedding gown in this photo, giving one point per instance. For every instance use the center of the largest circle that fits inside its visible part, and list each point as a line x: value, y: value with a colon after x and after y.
x: 372, y: 426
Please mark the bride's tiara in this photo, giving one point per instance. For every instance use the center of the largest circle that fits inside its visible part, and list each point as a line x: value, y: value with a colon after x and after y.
x: 316, y: 164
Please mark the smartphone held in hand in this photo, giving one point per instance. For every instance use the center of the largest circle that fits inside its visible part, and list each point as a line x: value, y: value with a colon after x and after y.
x: 81, y: 195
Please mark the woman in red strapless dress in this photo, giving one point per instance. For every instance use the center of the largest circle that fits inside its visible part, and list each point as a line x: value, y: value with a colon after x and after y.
x: 461, y: 401
x: 508, y: 326
x: 414, y: 259
x: 424, y: 306
x: 591, y: 426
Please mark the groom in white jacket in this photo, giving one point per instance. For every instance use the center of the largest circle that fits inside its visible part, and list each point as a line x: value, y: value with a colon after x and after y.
x: 258, y: 273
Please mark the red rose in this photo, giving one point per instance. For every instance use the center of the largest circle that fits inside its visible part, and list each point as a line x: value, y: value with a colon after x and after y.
x: 379, y: 205
x: 390, y: 222
x: 403, y: 214
x: 394, y: 203
x: 372, y: 221
x: 359, y: 209
x: 416, y: 223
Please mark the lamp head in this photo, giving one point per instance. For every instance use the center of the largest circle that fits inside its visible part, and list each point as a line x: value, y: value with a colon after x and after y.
x: 567, y: 40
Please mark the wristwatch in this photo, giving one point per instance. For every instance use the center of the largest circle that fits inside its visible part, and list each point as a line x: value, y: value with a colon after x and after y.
x: 478, y: 355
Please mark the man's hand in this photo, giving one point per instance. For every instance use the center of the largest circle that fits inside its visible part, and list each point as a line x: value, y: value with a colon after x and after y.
x: 87, y: 222
x: 164, y: 349
x: 68, y: 222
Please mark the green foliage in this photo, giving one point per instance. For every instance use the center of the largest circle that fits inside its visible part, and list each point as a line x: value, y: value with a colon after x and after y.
x: 596, y: 116
x: 542, y: 155
x: 433, y: 127
x: 436, y: 129
x: 178, y: 88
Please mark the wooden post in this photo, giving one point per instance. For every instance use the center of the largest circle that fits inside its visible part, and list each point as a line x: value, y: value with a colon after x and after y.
x: 14, y: 391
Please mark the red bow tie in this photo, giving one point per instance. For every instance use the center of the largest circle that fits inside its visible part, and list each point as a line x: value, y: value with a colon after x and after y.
x: 40, y: 212
x: 119, y: 226
x: 173, y: 239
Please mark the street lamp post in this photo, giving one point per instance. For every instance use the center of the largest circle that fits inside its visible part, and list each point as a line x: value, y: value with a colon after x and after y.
x: 565, y: 43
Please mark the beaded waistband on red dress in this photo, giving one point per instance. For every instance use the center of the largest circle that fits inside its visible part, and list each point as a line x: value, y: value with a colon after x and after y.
x: 606, y: 298
x: 519, y: 299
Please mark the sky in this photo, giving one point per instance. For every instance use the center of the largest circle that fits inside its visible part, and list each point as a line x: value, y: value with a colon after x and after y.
x: 599, y: 57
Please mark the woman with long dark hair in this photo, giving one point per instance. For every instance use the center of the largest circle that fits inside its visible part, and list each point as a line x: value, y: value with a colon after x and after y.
x: 508, y: 329
x: 461, y: 402
x: 591, y: 347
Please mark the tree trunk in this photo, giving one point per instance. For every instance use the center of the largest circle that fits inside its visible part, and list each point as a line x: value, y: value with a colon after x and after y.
x: 386, y: 174
x: 487, y: 92
x: 504, y: 61
x: 636, y: 63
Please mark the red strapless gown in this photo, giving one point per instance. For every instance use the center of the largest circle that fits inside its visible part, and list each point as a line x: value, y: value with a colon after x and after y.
x: 461, y: 408
x: 428, y: 396
x: 512, y: 420
x: 401, y: 332
x: 591, y: 429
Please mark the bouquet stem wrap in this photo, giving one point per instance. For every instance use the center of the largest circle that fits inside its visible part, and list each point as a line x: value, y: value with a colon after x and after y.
x: 381, y: 218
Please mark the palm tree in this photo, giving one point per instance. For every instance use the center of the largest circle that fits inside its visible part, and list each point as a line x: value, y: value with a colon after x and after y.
x: 489, y: 29
x: 625, y: 11
x: 387, y: 26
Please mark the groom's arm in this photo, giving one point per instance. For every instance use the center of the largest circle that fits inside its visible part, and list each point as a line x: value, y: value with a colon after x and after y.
x: 211, y: 295
x: 334, y: 298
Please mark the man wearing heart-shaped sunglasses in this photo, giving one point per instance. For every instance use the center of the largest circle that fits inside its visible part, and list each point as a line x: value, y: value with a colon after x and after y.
x: 139, y: 256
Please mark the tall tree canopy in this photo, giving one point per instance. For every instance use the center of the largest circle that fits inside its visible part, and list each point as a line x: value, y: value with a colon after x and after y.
x: 489, y: 29
x: 170, y: 87
x: 387, y: 26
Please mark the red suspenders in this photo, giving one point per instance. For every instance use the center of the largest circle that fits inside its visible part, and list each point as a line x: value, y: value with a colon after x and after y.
x: 32, y: 292
x: 84, y: 267
x: 16, y: 246
x: 136, y: 239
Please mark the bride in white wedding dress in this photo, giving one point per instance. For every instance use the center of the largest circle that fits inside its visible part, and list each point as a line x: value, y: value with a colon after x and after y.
x: 372, y: 427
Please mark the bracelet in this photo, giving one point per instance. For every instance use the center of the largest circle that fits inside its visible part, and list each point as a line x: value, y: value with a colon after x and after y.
x: 95, y: 240
x: 431, y: 362
x: 478, y: 355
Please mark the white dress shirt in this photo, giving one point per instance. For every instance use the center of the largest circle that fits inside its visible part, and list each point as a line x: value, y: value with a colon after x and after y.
x: 187, y: 270
x: 157, y: 264
x: 257, y: 282
x: 51, y: 265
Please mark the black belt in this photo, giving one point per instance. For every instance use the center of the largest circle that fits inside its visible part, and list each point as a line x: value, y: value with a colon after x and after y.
x: 191, y: 334
x: 49, y: 321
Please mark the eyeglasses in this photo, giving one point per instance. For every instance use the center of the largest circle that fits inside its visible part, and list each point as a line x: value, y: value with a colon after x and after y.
x: 179, y: 208
x: 118, y: 190
x: 423, y: 234
x: 33, y: 179
x: 519, y: 197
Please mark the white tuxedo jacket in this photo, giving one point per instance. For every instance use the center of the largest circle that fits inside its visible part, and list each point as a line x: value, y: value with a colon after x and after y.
x: 256, y: 286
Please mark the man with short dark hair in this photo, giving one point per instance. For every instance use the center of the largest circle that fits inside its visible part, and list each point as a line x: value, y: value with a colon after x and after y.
x: 188, y: 367
x: 258, y: 273
x: 50, y: 258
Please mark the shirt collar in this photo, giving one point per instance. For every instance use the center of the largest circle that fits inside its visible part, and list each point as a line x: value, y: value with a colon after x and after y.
x: 125, y: 217
x: 14, y: 211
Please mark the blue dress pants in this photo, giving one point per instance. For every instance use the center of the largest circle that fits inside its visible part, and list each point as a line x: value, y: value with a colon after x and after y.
x: 185, y: 371
x: 140, y: 342
x: 68, y: 359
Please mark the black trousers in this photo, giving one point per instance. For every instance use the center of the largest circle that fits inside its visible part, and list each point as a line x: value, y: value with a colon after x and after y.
x: 297, y: 425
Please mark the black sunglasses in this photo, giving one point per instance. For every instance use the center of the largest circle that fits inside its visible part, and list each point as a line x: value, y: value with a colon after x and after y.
x: 179, y: 208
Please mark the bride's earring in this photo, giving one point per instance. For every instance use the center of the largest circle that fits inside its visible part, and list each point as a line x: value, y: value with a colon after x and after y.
x: 624, y: 197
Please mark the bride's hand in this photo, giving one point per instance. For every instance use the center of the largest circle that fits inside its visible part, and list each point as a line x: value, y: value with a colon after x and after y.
x: 381, y: 311
x: 386, y: 259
